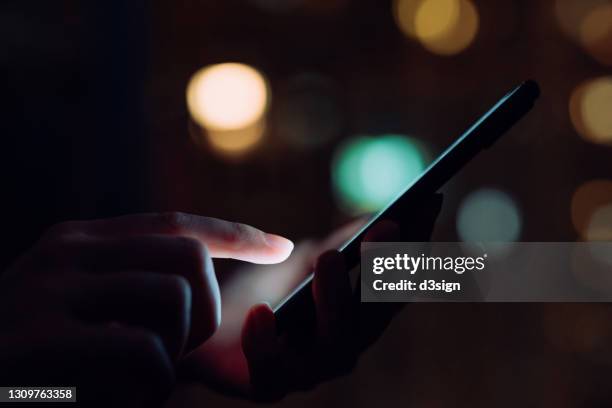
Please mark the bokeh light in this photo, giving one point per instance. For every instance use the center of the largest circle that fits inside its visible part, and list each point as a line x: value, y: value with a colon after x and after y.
x: 600, y: 224
x: 590, y: 110
x: 596, y: 33
x: 444, y: 27
x: 571, y: 13
x: 368, y: 172
x: 489, y: 215
x: 238, y: 141
x: 586, y: 201
x: 589, y: 24
x: 404, y: 12
x: 309, y: 112
x: 434, y: 18
x: 591, y: 265
x: 227, y: 96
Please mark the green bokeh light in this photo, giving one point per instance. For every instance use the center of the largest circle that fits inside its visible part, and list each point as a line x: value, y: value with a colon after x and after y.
x: 489, y: 215
x: 368, y: 172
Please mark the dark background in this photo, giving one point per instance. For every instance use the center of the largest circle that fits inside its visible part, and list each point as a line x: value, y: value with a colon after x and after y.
x: 94, y: 123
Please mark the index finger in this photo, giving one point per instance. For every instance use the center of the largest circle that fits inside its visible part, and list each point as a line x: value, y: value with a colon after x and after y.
x: 224, y: 239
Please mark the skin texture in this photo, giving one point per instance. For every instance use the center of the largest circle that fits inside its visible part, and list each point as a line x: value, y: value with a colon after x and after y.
x: 123, y: 307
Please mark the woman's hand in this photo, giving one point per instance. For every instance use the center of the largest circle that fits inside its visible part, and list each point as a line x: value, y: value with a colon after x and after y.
x: 111, y: 305
x: 256, y: 363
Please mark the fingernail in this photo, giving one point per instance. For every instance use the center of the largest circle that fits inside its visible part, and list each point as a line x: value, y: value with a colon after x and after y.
x: 278, y: 242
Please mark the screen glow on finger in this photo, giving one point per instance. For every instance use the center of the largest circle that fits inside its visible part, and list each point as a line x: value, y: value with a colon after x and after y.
x: 368, y: 172
x: 489, y: 215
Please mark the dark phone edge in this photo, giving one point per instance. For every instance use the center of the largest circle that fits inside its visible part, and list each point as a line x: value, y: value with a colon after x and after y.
x: 481, y: 135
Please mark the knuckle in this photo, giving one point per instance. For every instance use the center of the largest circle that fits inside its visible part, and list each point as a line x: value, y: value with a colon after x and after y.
x: 193, y: 250
x: 238, y: 233
x: 190, y: 244
x: 173, y: 221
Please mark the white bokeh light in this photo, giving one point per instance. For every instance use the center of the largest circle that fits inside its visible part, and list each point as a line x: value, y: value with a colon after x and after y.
x: 227, y: 96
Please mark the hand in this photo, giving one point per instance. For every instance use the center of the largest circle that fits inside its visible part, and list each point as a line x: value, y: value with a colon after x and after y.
x: 258, y: 364
x: 111, y: 305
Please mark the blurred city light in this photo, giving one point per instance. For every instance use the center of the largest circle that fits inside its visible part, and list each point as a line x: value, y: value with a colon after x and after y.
x: 591, y: 110
x: 444, y: 27
x: 434, y: 18
x: 592, y: 265
x: 586, y: 201
x: 227, y: 96
x: 458, y: 36
x: 589, y: 24
x: 600, y: 224
x: 404, y: 12
x: 237, y: 141
x: 309, y: 112
x: 571, y: 13
x: 368, y: 172
x: 489, y: 215
x: 596, y: 33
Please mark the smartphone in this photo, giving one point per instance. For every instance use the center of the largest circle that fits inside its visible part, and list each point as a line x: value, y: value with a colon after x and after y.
x: 296, y: 311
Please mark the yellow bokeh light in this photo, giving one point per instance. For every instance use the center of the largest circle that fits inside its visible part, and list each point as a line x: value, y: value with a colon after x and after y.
x: 596, y: 33
x: 589, y: 24
x: 434, y: 18
x: 570, y: 14
x: 404, y: 12
x: 587, y: 199
x: 444, y: 27
x: 590, y: 110
x: 237, y: 141
x: 457, y: 37
x: 600, y: 224
x: 228, y: 96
